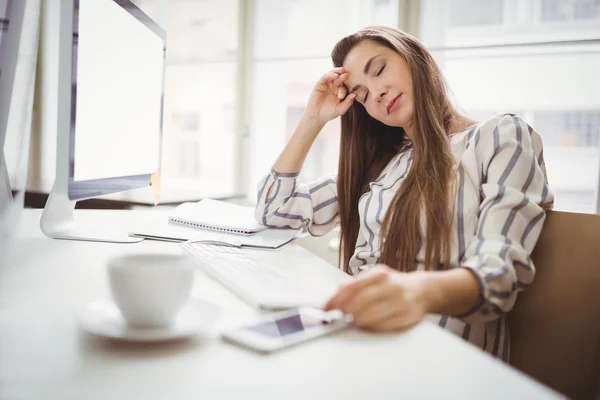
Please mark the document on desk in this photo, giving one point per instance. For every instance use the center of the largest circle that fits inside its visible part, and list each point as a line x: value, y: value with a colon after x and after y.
x: 217, y: 216
x: 159, y: 228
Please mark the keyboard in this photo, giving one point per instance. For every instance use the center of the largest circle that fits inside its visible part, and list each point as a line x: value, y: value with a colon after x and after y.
x: 261, y: 285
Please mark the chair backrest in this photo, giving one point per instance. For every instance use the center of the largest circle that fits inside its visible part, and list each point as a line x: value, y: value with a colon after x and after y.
x: 555, y: 325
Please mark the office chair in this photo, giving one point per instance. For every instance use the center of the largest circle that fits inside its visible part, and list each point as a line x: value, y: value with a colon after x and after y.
x: 555, y: 325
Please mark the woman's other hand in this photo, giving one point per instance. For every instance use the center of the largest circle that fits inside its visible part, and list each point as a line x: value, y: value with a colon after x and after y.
x: 383, y: 299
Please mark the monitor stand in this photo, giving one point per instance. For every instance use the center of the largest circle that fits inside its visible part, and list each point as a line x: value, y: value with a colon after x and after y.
x: 57, y: 222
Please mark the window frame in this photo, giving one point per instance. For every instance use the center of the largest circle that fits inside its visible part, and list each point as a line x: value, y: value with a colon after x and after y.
x: 511, y: 39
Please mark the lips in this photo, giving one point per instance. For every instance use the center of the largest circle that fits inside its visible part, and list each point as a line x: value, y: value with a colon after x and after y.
x: 393, y: 105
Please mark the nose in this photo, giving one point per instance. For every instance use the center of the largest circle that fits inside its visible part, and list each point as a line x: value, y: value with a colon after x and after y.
x: 381, y: 92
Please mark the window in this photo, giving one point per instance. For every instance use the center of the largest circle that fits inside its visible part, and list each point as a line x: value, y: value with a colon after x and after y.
x: 569, y: 128
x: 559, y: 10
x: 200, y: 94
x: 290, y: 43
x: 489, y: 12
x: 293, y: 40
x: 536, y: 58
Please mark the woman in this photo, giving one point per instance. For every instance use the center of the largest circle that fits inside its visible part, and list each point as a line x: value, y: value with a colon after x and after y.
x: 438, y: 214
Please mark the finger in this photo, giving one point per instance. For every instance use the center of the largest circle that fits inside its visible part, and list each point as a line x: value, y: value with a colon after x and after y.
x: 395, y: 324
x: 347, y: 290
x: 340, y: 79
x: 375, y: 315
x: 331, y: 83
x: 365, y: 298
x: 328, y: 77
x: 345, y: 105
x: 338, y: 69
x: 333, y: 302
x: 342, y: 92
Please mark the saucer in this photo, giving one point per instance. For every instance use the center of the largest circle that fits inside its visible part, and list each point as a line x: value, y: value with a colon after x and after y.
x: 102, y: 317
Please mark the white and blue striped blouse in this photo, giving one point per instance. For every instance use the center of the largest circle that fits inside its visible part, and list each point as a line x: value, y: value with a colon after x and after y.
x: 501, y: 197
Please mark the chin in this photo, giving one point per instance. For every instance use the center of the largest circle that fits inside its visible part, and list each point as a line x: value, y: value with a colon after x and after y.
x: 398, y: 123
x: 402, y: 119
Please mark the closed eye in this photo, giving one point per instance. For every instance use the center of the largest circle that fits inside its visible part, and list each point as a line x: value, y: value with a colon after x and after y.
x: 378, y: 73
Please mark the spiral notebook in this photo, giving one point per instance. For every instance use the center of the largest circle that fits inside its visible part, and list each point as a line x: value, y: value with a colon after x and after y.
x: 217, y: 216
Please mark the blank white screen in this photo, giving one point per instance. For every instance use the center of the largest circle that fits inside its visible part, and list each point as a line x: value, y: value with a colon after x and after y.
x: 119, y: 89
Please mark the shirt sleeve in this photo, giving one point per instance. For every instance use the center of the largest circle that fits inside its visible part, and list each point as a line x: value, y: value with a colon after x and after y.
x: 313, y: 206
x: 515, y: 196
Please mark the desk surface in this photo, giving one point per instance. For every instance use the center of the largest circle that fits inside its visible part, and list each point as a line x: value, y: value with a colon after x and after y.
x: 43, y: 354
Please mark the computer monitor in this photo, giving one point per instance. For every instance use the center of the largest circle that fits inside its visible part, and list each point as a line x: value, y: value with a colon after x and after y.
x: 19, y: 23
x: 8, y: 64
x: 103, y: 96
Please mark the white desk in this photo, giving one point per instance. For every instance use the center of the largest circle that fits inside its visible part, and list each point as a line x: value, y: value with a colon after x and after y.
x: 44, y: 355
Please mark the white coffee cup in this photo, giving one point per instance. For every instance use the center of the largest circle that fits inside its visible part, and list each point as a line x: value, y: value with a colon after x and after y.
x: 150, y: 289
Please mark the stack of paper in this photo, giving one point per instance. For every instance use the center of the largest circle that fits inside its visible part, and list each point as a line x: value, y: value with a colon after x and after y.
x: 159, y: 227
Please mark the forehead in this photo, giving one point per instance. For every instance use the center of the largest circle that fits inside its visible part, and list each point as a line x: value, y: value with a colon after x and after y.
x: 360, y: 54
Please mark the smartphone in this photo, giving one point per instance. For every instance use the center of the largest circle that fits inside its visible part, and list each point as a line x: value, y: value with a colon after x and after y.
x: 288, y: 328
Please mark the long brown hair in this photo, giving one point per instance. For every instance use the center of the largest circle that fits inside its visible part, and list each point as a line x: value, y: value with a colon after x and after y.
x: 367, y: 146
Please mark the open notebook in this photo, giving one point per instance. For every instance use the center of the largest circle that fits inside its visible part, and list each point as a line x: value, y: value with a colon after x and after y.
x: 217, y: 216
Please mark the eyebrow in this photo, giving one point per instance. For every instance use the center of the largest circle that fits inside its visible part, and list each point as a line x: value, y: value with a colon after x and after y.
x: 365, y: 71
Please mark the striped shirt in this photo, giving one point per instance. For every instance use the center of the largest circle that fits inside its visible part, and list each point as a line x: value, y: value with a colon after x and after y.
x: 501, y: 197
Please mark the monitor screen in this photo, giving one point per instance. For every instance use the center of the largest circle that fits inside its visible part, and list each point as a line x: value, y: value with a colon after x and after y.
x: 118, y: 66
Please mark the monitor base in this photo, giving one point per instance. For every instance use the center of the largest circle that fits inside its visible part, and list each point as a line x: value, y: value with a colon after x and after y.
x: 57, y: 222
